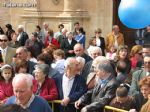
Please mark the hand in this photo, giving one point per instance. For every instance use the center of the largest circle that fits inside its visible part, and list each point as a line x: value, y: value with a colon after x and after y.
x: 77, y: 104
x: 65, y: 101
x: 84, y: 109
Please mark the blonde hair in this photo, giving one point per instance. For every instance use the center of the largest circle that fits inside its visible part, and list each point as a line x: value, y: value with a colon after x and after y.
x: 135, y: 49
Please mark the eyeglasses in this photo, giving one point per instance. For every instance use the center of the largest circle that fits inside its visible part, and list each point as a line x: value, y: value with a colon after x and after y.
x: 3, y: 40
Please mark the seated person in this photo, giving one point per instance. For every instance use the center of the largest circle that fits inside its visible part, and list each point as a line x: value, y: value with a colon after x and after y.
x: 43, y: 85
x: 122, y: 100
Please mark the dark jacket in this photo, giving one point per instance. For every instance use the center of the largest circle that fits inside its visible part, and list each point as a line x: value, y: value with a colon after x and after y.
x: 23, y: 38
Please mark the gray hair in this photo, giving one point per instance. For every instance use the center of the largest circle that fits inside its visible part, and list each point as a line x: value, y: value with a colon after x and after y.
x: 21, y: 77
x: 98, y: 60
x: 105, y: 66
x: 68, y: 62
x: 80, y: 60
x: 96, y: 48
x: 43, y: 67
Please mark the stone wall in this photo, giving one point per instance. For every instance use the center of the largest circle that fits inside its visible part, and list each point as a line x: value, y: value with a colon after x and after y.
x: 91, y: 14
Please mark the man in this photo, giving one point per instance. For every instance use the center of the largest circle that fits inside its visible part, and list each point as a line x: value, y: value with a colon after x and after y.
x: 147, y: 35
x: 140, y: 74
x: 115, y: 38
x: 95, y: 100
x: 22, y: 54
x: 23, y: 95
x: 96, y: 51
x: 62, y: 36
x: 79, y: 51
x: 56, y: 34
x: 45, y: 31
x: 71, y: 86
x: 6, y: 51
x: 23, y: 36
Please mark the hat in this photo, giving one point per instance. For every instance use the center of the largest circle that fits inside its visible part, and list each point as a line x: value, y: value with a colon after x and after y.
x: 43, y: 67
x: 35, y: 34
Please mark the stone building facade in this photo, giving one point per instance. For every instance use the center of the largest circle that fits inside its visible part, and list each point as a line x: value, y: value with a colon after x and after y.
x: 91, y: 14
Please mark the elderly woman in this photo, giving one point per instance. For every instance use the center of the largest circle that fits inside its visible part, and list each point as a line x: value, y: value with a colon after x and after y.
x: 44, y: 86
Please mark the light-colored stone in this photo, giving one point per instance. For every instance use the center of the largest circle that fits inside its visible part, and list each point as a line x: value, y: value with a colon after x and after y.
x: 91, y: 14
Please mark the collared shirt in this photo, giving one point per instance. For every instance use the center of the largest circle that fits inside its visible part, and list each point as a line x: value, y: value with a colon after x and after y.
x: 19, y: 36
x: 67, y: 85
x: 28, y: 103
x: 98, y: 42
x: 69, y: 41
x: 116, y: 42
x: 3, y: 51
x: 102, y: 82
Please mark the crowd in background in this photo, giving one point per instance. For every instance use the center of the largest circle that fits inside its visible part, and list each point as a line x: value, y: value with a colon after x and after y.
x: 60, y: 66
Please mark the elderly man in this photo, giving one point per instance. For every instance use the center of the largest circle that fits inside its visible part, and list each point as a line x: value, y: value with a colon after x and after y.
x: 23, y: 95
x: 21, y: 53
x: 70, y: 86
x: 79, y: 51
x: 23, y: 36
x: 6, y: 51
x: 115, y: 38
x: 95, y: 100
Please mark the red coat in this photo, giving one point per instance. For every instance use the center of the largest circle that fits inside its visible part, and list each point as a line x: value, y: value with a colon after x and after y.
x: 48, y: 89
x: 6, y: 90
x: 53, y: 41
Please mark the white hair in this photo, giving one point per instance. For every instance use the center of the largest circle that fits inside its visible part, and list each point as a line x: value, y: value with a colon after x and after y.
x: 22, y: 77
x: 21, y: 27
x: 98, y: 60
x: 68, y: 62
x: 96, y: 48
x: 80, y: 60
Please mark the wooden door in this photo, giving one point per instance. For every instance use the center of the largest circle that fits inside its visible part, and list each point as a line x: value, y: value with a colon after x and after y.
x: 128, y: 33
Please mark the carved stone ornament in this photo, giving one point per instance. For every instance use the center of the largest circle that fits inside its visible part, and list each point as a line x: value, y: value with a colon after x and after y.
x: 56, y: 2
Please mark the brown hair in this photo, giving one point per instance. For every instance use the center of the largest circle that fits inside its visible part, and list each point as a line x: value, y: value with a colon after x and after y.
x: 59, y: 52
x: 21, y: 64
x: 50, y: 32
x: 121, y: 47
x: 145, y: 81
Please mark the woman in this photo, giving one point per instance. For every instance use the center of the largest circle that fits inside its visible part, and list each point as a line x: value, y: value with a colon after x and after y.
x: 122, y: 54
x: 100, y: 42
x: 43, y: 85
x: 50, y: 40
x: 136, y: 56
x: 9, y: 31
x: 14, y: 43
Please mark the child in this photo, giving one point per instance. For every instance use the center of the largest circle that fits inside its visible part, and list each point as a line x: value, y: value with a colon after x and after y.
x: 58, y: 65
x: 112, y: 53
x: 6, y: 89
x: 122, y: 100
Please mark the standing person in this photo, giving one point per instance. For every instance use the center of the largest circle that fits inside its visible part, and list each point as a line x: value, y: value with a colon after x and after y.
x: 6, y: 89
x: 139, y: 36
x: 35, y: 43
x: 14, y: 43
x: 71, y: 86
x: 147, y: 35
x: 62, y: 36
x: 114, y: 38
x: 49, y: 39
x: 6, y: 51
x: 104, y: 91
x: 76, y: 28
x: 9, y: 31
x: 23, y: 95
x: 39, y: 32
x: 68, y: 44
x: 43, y: 85
x: 100, y: 42
x: 80, y: 38
x: 22, y: 35
x: 57, y: 34
x: 45, y: 30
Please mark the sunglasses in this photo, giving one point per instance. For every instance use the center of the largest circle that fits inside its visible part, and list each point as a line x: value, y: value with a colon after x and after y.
x: 3, y: 40
x: 140, y: 53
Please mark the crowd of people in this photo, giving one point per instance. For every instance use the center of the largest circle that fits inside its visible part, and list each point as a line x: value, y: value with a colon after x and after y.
x: 50, y: 65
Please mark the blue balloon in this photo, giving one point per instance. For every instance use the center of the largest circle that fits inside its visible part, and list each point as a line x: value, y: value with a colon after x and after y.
x: 134, y: 14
